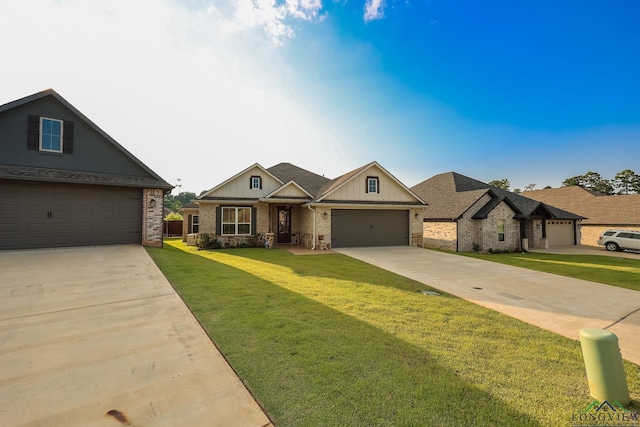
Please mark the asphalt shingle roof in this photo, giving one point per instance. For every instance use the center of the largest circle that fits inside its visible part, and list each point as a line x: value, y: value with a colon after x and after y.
x: 450, y: 194
x: 595, y: 207
x: 310, y: 181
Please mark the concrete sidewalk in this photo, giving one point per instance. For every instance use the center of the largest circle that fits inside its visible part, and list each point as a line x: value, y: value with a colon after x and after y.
x: 97, y: 336
x: 559, y: 304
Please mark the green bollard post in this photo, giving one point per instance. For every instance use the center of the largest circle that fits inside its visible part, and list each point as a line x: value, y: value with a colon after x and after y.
x: 605, y: 370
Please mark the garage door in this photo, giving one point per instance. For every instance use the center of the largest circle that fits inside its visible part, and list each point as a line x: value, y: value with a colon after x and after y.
x: 41, y: 215
x: 360, y: 227
x: 560, y: 233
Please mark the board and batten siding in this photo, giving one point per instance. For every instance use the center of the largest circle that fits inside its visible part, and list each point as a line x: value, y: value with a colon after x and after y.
x: 239, y: 186
x: 355, y: 189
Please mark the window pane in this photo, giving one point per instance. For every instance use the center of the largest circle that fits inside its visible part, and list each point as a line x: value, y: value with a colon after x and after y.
x: 55, y: 127
x: 244, y: 228
x: 244, y: 215
x: 46, y: 142
x: 228, y: 215
x: 55, y: 143
x: 46, y: 126
x: 229, y: 229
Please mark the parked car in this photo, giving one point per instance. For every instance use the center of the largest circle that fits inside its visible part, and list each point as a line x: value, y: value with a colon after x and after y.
x: 617, y: 240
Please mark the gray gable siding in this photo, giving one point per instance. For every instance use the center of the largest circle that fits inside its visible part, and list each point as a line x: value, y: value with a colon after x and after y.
x: 92, y: 152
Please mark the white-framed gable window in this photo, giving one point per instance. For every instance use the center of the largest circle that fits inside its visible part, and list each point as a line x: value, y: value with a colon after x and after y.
x: 236, y: 220
x: 51, y: 135
x: 255, y: 182
x: 373, y: 184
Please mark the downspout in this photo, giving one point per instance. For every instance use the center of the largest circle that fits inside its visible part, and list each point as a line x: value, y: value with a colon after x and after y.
x: 313, y: 246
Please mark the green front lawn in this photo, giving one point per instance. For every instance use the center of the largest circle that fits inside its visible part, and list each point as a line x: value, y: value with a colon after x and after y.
x: 622, y: 272
x: 326, y: 340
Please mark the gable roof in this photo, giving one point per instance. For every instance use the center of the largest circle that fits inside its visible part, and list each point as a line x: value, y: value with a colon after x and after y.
x: 451, y: 194
x: 334, y: 185
x: 597, y: 208
x: 309, y: 181
x: 280, y: 193
x: 206, y: 195
x: 20, y: 172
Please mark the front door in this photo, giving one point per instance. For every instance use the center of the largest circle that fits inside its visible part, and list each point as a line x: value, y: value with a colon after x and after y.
x: 284, y: 225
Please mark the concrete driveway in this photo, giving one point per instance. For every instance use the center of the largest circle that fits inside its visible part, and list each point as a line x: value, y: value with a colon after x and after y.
x: 559, y: 304
x: 97, y: 336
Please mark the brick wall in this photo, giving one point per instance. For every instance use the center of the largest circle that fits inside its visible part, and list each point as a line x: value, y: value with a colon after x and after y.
x: 591, y: 233
x: 152, y: 217
x: 440, y: 235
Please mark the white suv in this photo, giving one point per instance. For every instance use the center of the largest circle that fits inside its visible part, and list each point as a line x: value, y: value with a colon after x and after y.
x: 617, y: 240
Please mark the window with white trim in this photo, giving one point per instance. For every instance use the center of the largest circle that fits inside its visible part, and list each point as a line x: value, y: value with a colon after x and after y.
x: 236, y: 220
x: 501, y: 229
x: 255, y: 182
x: 373, y: 184
x: 51, y: 135
x: 195, y: 224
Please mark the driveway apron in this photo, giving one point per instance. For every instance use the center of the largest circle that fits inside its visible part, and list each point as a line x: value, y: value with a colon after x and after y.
x: 97, y: 336
x: 559, y: 304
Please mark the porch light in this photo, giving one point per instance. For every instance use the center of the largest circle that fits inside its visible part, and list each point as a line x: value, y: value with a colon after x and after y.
x: 325, y: 215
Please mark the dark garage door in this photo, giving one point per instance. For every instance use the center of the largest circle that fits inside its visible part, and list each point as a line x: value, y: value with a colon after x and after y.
x: 43, y: 215
x: 359, y: 228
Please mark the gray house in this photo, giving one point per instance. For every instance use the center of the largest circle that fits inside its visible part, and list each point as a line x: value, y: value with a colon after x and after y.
x: 465, y: 214
x: 65, y: 182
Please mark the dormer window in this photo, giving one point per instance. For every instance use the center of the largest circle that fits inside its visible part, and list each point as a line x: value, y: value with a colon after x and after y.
x: 50, y: 135
x: 373, y: 184
x: 255, y: 182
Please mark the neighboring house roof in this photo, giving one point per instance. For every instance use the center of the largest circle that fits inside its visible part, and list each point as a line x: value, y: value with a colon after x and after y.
x: 451, y: 194
x: 623, y: 209
x: 72, y: 176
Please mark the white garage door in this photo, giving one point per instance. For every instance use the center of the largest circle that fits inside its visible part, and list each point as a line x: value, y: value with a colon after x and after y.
x: 560, y: 233
x: 45, y: 215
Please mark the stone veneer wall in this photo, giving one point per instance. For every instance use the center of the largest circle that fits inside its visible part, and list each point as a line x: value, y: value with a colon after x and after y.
x: 152, y: 217
x: 440, y: 235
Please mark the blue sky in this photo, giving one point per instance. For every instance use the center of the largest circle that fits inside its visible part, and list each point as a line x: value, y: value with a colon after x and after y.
x: 534, y: 92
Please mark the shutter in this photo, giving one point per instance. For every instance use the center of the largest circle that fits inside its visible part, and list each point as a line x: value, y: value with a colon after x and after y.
x: 33, y: 133
x: 218, y: 220
x: 67, y: 137
x: 254, y: 221
x: 189, y: 224
x: 261, y: 183
x: 250, y: 182
x: 366, y: 185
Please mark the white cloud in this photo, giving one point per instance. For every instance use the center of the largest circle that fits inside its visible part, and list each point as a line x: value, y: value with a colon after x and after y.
x: 170, y: 85
x: 274, y: 18
x: 373, y: 9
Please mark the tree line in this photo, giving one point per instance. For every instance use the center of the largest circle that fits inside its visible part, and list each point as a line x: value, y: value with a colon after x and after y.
x: 624, y: 182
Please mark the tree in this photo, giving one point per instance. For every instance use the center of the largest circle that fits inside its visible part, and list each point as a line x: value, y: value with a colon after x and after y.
x: 627, y: 182
x: 176, y: 202
x: 500, y: 183
x: 591, y: 181
x: 517, y: 191
x: 530, y: 187
x: 548, y: 187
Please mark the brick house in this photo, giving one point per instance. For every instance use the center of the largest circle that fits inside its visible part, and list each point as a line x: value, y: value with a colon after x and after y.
x: 464, y: 215
x: 65, y: 182
x: 601, y: 212
x: 286, y: 204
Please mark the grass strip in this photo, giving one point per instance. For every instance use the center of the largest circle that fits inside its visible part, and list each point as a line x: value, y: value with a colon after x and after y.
x: 329, y: 340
